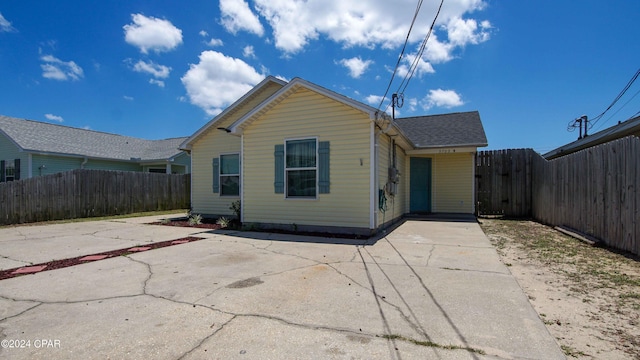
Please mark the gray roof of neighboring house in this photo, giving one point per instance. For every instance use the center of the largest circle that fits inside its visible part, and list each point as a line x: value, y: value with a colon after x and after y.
x: 35, y: 136
x: 445, y: 130
x: 622, y: 129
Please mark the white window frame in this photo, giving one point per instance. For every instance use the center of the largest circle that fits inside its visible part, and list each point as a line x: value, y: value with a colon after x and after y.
x: 287, y: 169
x: 221, y: 175
x: 9, y: 165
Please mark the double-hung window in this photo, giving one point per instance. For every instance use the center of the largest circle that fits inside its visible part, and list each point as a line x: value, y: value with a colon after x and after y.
x: 301, y: 168
x: 10, y: 171
x: 230, y: 175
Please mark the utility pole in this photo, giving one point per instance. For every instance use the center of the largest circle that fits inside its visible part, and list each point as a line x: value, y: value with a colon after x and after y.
x: 582, y: 120
x: 396, y: 101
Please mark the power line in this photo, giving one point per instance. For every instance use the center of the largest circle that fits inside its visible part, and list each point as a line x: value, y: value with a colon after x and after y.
x: 418, y: 57
x: 406, y: 41
x: 624, y: 90
x: 617, y: 111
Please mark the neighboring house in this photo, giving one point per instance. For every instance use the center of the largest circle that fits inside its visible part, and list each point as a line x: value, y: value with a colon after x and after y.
x: 31, y: 148
x: 299, y: 156
x: 622, y: 129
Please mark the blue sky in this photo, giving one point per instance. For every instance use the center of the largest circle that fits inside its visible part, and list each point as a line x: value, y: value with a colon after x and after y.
x: 157, y: 69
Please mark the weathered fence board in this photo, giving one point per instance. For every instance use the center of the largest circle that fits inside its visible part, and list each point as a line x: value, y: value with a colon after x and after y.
x: 87, y: 193
x: 593, y: 191
x: 503, y: 182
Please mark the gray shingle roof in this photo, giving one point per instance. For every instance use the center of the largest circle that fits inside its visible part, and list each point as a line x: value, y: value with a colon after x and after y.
x: 446, y: 130
x: 35, y: 136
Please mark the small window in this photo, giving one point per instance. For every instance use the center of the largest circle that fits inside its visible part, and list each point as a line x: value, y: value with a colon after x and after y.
x: 301, y: 171
x: 230, y: 175
x: 158, y: 170
x: 9, y: 171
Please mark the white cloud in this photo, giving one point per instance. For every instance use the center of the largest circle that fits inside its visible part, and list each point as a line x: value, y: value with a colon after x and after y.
x: 462, y: 32
x: 370, y: 24
x: 248, y: 52
x: 149, y: 33
x: 441, y: 98
x: 54, y: 117
x: 218, y: 80
x: 237, y: 16
x: 128, y: 98
x: 422, y: 67
x: 56, y: 69
x: 356, y: 66
x: 215, y: 42
x: 158, y: 71
x: 160, y: 83
x: 374, y: 99
x: 203, y: 33
x: 5, y: 25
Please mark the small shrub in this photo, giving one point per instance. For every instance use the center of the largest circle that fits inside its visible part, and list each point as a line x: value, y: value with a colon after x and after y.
x: 236, y: 207
x: 195, y: 219
x: 223, y: 222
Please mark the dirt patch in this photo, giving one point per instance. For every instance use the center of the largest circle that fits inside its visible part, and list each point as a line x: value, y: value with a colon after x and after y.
x: 589, y: 297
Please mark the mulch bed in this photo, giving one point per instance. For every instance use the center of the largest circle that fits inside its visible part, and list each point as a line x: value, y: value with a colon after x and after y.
x: 185, y: 223
x: 207, y: 224
x: 58, y: 264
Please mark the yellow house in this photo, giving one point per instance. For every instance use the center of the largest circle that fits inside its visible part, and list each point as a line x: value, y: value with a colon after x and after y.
x: 301, y: 157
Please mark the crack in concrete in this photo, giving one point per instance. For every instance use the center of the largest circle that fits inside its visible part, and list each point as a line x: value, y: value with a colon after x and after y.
x: 416, y: 326
x: 433, y: 247
x: 206, y: 338
x: 16, y: 260
x: 22, y: 312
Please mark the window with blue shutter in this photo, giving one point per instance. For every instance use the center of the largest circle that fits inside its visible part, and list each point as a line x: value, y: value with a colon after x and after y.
x: 16, y: 165
x: 323, y: 167
x: 216, y: 175
x: 278, y: 182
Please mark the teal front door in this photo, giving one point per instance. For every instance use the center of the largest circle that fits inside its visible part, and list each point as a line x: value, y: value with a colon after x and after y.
x: 420, y: 185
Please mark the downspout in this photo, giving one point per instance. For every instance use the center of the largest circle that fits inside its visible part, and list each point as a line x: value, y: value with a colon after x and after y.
x: 29, y: 166
x: 84, y: 162
x: 373, y: 183
x: 242, y: 203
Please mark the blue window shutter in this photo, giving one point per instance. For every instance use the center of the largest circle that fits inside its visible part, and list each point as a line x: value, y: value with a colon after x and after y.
x: 2, y: 171
x: 17, y: 169
x: 278, y: 182
x: 216, y: 175
x: 323, y: 167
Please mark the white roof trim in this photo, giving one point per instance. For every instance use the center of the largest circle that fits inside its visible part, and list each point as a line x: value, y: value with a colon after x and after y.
x: 294, y: 84
x: 186, y: 145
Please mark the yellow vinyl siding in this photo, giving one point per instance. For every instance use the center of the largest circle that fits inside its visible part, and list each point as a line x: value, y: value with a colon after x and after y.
x: 308, y: 114
x: 395, y: 204
x: 211, y: 144
x: 452, y: 183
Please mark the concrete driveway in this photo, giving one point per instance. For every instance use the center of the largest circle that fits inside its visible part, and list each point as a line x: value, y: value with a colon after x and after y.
x: 428, y: 290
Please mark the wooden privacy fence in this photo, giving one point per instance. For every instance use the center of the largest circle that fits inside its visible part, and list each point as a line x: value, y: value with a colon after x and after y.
x: 87, y: 193
x: 594, y: 191
x: 503, y: 182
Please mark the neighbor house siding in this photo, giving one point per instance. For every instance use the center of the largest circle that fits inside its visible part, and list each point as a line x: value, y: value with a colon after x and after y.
x: 51, y: 164
x: 306, y: 114
x: 395, y: 203
x: 210, y: 145
x: 9, y: 151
